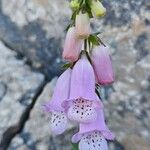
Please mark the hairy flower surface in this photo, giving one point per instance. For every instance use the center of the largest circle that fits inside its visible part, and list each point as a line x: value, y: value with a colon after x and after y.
x: 82, y: 103
x: 102, y: 65
x: 59, y: 121
x: 98, y: 125
x: 72, y: 46
x: 93, y: 135
x: 93, y: 141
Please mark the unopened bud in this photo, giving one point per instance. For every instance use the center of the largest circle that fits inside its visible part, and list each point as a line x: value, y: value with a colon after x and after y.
x: 82, y: 25
x: 97, y: 8
x: 74, y: 4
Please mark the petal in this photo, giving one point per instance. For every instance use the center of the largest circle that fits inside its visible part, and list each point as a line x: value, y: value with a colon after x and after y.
x: 58, y: 122
x: 82, y: 111
x: 82, y: 80
x: 93, y: 141
x: 98, y: 125
x: 61, y: 92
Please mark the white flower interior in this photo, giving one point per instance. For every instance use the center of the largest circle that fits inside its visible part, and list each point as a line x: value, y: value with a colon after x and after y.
x: 93, y: 141
x: 58, y: 122
x: 82, y: 111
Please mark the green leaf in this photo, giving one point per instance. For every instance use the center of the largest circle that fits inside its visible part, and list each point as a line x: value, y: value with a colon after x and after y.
x: 67, y: 65
x: 74, y: 147
x: 74, y: 15
x: 81, y: 1
x: 93, y: 39
x: 88, y: 8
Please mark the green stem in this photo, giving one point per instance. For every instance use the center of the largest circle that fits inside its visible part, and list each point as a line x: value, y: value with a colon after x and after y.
x: 97, y: 92
x: 85, y: 44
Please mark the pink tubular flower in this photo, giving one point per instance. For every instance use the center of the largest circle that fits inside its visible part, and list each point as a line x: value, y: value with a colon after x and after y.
x: 82, y: 102
x: 102, y: 65
x: 82, y: 25
x: 92, y: 136
x: 72, y: 46
x: 59, y: 121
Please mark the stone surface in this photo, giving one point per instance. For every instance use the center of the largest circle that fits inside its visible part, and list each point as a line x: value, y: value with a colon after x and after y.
x: 35, y: 30
x: 18, y: 84
x: 130, y: 143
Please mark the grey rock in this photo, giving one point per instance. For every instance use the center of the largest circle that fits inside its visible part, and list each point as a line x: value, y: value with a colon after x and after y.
x: 35, y: 30
x: 3, y: 89
x: 140, y: 46
x: 120, y: 12
x: 17, y: 82
x: 115, y: 145
x: 130, y: 143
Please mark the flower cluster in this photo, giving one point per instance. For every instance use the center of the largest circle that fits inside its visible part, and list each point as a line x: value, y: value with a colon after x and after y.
x: 75, y: 97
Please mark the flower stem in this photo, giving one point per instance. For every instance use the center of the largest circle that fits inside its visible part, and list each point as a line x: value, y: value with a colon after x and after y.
x: 85, y: 44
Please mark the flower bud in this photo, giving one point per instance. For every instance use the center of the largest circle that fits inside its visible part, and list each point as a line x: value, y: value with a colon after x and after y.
x: 102, y: 65
x: 72, y: 46
x: 74, y: 4
x: 82, y: 25
x: 98, y: 10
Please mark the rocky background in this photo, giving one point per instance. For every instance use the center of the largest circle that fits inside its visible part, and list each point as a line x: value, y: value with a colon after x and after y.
x: 31, y: 40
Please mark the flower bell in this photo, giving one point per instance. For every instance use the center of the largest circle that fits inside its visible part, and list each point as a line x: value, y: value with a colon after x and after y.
x: 82, y: 103
x: 72, y: 46
x: 82, y: 25
x: 98, y: 10
x: 93, y: 135
x: 93, y: 141
x: 102, y: 65
x: 59, y: 121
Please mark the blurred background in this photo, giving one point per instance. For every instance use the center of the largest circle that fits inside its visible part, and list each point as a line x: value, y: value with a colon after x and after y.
x: 31, y: 40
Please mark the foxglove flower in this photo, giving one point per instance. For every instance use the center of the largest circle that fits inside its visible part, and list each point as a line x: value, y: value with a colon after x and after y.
x: 59, y: 121
x: 102, y: 65
x: 98, y: 10
x: 82, y: 102
x: 93, y: 136
x: 72, y: 46
x: 82, y: 25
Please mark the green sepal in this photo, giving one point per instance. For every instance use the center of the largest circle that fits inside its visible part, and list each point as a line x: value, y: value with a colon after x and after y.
x: 88, y: 8
x: 67, y: 65
x: 97, y: 92
x: 93, y: 39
